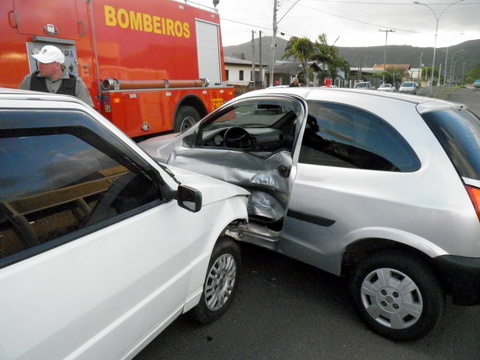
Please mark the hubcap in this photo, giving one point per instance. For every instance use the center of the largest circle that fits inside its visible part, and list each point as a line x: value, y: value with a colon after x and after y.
x: 220, y: 282
x: 391, y: 298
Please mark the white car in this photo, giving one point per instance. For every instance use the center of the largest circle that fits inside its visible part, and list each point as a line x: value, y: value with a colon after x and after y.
x: 386, y: 87
x: 365, y: 85
x: 101, y: 247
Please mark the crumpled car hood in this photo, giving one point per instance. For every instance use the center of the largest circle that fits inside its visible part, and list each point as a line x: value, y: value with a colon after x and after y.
x: 212, y: 189
x: 268, y: 188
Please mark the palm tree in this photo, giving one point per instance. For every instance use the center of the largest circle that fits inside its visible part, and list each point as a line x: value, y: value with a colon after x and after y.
x: 328, y: 55
x: 303, y: 50
x: 300, y: 49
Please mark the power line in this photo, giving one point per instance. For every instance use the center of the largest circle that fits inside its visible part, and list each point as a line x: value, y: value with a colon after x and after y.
x: 264, y: 27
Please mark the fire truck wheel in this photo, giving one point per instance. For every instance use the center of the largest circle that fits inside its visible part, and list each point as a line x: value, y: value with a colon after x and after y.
x: 186, y: 117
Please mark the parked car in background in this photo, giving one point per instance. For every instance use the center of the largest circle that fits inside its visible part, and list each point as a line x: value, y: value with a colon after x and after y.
x: 476, y: 85
x: 366, y: 85
x: 101, y: 247
x: 408, y: 87
x: 386, y: 87
x: 361, y: 184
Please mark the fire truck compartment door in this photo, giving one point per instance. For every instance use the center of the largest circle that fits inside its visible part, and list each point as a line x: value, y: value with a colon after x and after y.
x: 208, y: 51
x: 54, y: 17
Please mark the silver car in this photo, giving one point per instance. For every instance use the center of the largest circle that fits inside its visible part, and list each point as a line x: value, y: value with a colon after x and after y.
x: 386, y: 87
x: 380, y: 187
x: 408, y: 87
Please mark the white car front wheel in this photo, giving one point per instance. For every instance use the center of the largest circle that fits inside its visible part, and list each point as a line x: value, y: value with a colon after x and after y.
x: 221, y: 282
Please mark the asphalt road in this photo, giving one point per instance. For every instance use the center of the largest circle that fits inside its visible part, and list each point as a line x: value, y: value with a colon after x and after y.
x: 287, y: 310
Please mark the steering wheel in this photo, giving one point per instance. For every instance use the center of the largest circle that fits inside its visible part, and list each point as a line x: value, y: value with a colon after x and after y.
x: 237, y: 137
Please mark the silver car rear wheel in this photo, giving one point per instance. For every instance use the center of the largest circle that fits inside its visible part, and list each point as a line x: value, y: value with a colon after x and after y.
x: 397, y: 294
x: 391, y: 298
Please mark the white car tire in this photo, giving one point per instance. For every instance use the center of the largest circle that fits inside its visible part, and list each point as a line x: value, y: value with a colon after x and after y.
x: 221, y: 282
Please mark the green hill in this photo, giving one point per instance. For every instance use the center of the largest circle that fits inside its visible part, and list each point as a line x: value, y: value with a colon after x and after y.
x: 467, y: 52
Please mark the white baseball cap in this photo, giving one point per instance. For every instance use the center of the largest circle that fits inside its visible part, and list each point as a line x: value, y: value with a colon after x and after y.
x: 50, y: 54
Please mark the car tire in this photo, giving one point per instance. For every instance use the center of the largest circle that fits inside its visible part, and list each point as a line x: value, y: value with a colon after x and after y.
x: 389, y: 307
x: 221, y: 282
x: 185, y: 118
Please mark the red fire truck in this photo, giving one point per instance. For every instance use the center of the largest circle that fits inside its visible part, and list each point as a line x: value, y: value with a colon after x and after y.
x: 150, y: 66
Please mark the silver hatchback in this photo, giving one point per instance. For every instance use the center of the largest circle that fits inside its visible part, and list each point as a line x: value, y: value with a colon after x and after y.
x: 382, y: 188
x: 408, y: 87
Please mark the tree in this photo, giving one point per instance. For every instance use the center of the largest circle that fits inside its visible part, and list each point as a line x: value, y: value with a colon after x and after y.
x: 300, y: 49
x: 304, y: 50
x: 393, y: 75
x: 239, y: 55
x: 426, y: 74
x: 328, y: 56
x: 472, y: 75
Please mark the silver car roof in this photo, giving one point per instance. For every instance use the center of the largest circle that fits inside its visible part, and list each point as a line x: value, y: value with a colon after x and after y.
x: 422, y: 103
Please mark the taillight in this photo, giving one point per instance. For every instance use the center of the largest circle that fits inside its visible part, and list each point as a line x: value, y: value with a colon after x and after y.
x: 474, y: 194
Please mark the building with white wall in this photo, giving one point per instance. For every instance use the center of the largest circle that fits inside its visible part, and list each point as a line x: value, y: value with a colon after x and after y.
x: 239, y: 71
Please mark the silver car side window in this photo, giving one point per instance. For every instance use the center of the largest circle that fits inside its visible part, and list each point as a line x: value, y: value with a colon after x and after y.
x: 344, y: 136
x: 260, y: 127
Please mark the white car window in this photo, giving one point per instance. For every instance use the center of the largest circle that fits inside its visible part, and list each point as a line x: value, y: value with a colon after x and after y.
x: 53, y: 185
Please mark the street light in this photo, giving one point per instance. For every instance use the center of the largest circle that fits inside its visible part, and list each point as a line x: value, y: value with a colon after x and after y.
x: 452, y: 65
x: 437, y: 18
x: 446, y: 58
x: 385, y: 52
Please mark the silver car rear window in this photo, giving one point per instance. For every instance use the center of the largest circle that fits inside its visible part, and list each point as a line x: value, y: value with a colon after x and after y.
x: 459, y: 134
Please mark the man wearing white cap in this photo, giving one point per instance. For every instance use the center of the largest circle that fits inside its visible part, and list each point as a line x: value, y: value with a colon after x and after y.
x: 53, y: 77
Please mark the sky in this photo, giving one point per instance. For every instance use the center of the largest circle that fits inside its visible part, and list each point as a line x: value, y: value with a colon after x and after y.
x: 356, y: 23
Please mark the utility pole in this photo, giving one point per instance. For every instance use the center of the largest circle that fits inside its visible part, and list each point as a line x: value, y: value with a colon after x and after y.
x: 274, y: 37
x: 439, y: 74
x: 260, y: 54
x: 386, y: 31
x: 253, y: 60
x: 274, y: 43
x: 420, y: 67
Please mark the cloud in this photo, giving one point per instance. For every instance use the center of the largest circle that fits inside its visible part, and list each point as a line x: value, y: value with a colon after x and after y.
x: 354, y: 23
